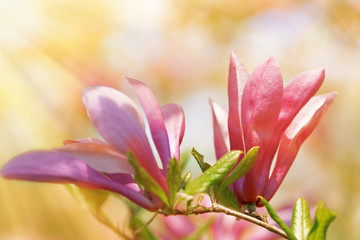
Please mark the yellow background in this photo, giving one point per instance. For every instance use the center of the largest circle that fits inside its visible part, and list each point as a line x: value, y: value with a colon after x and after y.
x: 49, y: 50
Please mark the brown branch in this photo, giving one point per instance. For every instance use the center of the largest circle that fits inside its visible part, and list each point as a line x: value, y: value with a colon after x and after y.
x: 217, y: 208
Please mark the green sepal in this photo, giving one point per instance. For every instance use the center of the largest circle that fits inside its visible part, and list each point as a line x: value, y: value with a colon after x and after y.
x: 300, y: 222
x: 227, y: 197
x: 277, y: 219
x: 241, y: 169
x: 200, y: 198
x: 323, y: 217
x: 200, y: 160
x: 146, y: 180
x: 173, y: 178
x: 89, y: 199
x: 184, y: 159
x: 214, y: 174
x: 185, y: 180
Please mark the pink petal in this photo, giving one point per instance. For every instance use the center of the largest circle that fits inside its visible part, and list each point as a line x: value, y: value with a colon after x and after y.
x: 58, y: 167
x: 119, y: 122
x: 155, y: 118
x: 175, y: 126
x: 300, y: 128
x: 261, y: 104
x: 297, y: 93
x: 221, y: 133
x: 238, y: 76
x: 125, y: 179
x: 84, y: 140
x: 101, y: 157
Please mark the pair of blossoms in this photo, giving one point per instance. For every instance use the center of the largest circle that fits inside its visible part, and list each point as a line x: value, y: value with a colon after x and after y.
x: 261, y: 113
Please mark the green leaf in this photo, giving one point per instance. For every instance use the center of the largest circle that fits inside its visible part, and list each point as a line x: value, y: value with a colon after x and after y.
x: 173, y: 179
x: 200, y: 160
x: 214, y: 174
x: 185, y: 180
x: 146, y: 180
x: 323, y: 217
x: 227, y: 197
x: 241, y: 169
x: 184, y: 159
x: 89, y: 199
x: 300, y: 222
x: 278, y: 220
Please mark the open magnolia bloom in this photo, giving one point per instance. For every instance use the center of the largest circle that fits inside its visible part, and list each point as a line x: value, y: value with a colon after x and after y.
x: 264, y: 113
x: 94, y: 163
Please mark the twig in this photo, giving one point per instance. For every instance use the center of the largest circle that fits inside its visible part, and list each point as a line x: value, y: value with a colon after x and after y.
x: 217, y: 208
x: 104, y: 219
x: 146, y: 224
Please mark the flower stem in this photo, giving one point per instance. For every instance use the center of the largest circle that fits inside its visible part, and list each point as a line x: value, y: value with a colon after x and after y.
x: 146, y: 224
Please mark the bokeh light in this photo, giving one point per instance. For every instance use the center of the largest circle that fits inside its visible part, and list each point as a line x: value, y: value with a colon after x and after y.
x: 50, y: 50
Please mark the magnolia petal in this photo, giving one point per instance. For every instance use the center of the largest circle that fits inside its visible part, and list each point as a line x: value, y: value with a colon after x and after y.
x: 238, y: 76
x: 260, y: 108
x: 84, y: 140
x: 125, y: 179
x: 297, y: 93
x: 101, y: 157
x: 175, y: 126
x: 221, y: 133
x: 261, y: 103
x: 58, y: 167
x: 119, y: 122
x: 300, y: 128
x: 155, y: 118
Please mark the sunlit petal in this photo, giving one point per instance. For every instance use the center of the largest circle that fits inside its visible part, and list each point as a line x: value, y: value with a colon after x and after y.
x: 175, y: 126
x: 300, y: 128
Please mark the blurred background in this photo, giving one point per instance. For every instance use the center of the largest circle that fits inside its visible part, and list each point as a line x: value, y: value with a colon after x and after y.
x: 50, y: 50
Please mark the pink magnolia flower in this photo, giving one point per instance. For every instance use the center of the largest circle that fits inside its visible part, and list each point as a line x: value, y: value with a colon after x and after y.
x: 264, y: 113
x: 94, y: 163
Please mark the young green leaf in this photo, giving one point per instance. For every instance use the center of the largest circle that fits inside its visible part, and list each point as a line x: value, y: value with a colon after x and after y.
x: 300, y: 222
x: 277, y: 219
x: 214, y: 174
x: 227, y: 197
x: 173, y: 179
x: 89, y: 199
x: 241, y: 169
x: 146, y: 180
x: 184, y: 159
x: 323, y: 217
x: 200, y: 160
x: 185, y: 180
